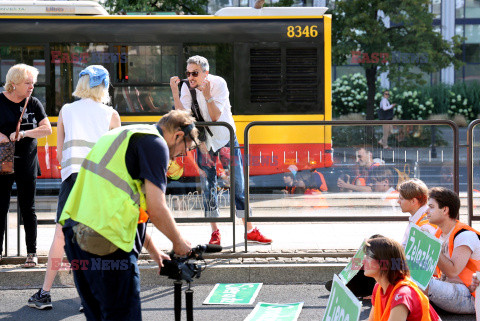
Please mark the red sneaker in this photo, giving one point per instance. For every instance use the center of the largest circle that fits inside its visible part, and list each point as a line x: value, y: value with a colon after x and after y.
x: 256, y: 237
x: 216, y: 237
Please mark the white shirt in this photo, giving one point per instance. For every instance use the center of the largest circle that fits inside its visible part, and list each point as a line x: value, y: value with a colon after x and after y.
x: 413, y: 219
x: 385, y: 104
x: 84, y: 122
x: 467, y: 238
x: 220, y: 95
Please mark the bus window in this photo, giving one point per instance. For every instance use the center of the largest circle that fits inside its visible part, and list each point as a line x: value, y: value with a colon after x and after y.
x: 30, y: 55
x: 67, y: 60
x: 142, y: 100
x: 145, y: 64
x: 220, y: 60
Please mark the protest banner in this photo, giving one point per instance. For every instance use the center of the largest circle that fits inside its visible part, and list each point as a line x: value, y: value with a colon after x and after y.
x: 233, y: 293
x: 342, y: 304
x: 353, y: 266
x: 275, y: 311
x: 422, y: 252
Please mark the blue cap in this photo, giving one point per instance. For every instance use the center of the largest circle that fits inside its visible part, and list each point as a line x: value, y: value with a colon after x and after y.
x: 98, y: 74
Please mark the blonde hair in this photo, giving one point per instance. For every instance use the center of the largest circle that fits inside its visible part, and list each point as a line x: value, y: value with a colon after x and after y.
x: 98, y: 93
x: 176, y: 119
x: 18, y: 74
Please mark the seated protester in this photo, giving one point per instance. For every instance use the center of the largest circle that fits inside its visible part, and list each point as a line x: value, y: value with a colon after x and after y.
x: 319, y: 180
x: 459, y: 257
x: 288, y: 179
x: 365, y: 163
x: 395, y: 297
x: 360, y: 285
x: 382, y: 181
x: 412, y: 198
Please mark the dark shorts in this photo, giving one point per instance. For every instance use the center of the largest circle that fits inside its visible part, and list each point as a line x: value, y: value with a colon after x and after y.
x: 65, y: 190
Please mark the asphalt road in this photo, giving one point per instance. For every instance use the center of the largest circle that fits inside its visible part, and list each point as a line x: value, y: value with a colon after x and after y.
x: 157, y: 304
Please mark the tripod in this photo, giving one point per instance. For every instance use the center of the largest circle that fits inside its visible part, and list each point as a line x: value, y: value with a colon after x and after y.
x: 177, y: 301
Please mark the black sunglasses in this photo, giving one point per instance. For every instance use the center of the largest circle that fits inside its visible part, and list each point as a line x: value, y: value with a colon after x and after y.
x: 193, y: 73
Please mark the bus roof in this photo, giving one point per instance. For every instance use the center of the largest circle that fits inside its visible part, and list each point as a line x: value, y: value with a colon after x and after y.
x: 37, y: 8
x: 271, y: 11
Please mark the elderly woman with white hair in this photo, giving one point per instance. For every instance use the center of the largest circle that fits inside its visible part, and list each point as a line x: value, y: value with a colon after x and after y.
x: 80, y: 125
x: 19, y: 84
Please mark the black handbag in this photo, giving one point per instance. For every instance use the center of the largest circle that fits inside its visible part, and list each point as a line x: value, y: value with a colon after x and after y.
x: 203, y: 130
x: 7, y: 150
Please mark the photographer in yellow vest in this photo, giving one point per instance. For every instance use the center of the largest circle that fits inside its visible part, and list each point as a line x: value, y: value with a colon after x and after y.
x: 121, y: 184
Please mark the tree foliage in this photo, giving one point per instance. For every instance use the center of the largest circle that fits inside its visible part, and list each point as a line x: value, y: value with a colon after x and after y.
x: 411, y: 42
x: 178, y: 6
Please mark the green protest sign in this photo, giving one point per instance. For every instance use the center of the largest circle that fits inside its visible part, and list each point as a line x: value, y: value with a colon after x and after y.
x: 342, y: 304
x: 233, y: 293
x: 278, y: 312
x: 422, y: 253
x: 353, y: 266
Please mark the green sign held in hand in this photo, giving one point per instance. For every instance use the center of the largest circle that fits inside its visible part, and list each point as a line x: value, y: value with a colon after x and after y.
x: 234, y: 293
x: 353, y: 266
x: 342, y: 304
x: 422, y: 252
x: 278, y: 312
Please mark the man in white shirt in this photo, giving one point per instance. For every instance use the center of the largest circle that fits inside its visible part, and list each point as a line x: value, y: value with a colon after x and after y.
x: 412, y: 198
x: 459, y: 257
x: 212, y: 96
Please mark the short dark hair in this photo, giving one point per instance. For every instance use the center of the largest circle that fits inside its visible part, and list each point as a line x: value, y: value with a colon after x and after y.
x: 381, y: 173
x: 448, y: 198
x: 391, y: 257
x: 288, y: 174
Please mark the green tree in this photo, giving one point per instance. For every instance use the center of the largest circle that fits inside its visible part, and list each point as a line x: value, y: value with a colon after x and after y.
x: 178, y: 6
x: 357, y: 27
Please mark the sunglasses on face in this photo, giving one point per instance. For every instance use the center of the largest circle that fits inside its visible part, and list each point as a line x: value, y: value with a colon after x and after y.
x: 193, y: 73
x: 387, y: 94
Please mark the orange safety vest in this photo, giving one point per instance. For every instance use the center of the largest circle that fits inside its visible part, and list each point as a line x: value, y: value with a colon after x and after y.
x: 472, y: 265
x: 380, y: 314
x: 323, y: 187
x: 423, y: 220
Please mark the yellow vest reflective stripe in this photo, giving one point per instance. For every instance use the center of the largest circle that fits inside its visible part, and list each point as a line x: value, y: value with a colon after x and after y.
x: 105, y: 197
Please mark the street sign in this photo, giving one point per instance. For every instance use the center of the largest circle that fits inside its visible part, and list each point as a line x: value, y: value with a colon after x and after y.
x: 353, y: 266
x: 233, y: 293
x: 278, y: 312
x: 342, y: 303
x: 422, y: 253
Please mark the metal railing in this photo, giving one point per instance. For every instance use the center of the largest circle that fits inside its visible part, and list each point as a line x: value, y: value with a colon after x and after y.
x: 231, y: 218
x: 251, y: 125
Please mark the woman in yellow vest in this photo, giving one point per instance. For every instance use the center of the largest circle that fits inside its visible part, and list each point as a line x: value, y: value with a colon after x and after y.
x: 395, y: 297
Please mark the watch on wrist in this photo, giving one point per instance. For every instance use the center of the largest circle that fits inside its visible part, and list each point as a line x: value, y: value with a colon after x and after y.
x: 210, y: 100
x: 23, y: 134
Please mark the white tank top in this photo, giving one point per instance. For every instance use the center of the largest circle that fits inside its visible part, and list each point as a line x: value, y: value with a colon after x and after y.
x: 84, y: 122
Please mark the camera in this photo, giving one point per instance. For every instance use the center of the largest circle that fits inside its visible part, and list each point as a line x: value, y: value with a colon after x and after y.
x: 184, y: 267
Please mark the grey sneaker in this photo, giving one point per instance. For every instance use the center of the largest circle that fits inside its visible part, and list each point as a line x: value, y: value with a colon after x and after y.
x: 39, y: 301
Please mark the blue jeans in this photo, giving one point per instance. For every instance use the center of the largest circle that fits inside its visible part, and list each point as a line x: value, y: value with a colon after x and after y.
x: 209, y: 183
x: 109, y: 285
x: 451, y: 297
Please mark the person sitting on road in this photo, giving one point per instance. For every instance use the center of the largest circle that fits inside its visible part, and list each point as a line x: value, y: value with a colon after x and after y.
x: 382, y: 181
x: 395, y: 296
x: 366, y: 164
x: 412, y: 198
x: 288, y: 179
x: 459, y: 257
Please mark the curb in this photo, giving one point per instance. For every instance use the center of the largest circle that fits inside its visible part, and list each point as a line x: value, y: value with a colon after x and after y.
x: 222, y: 273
